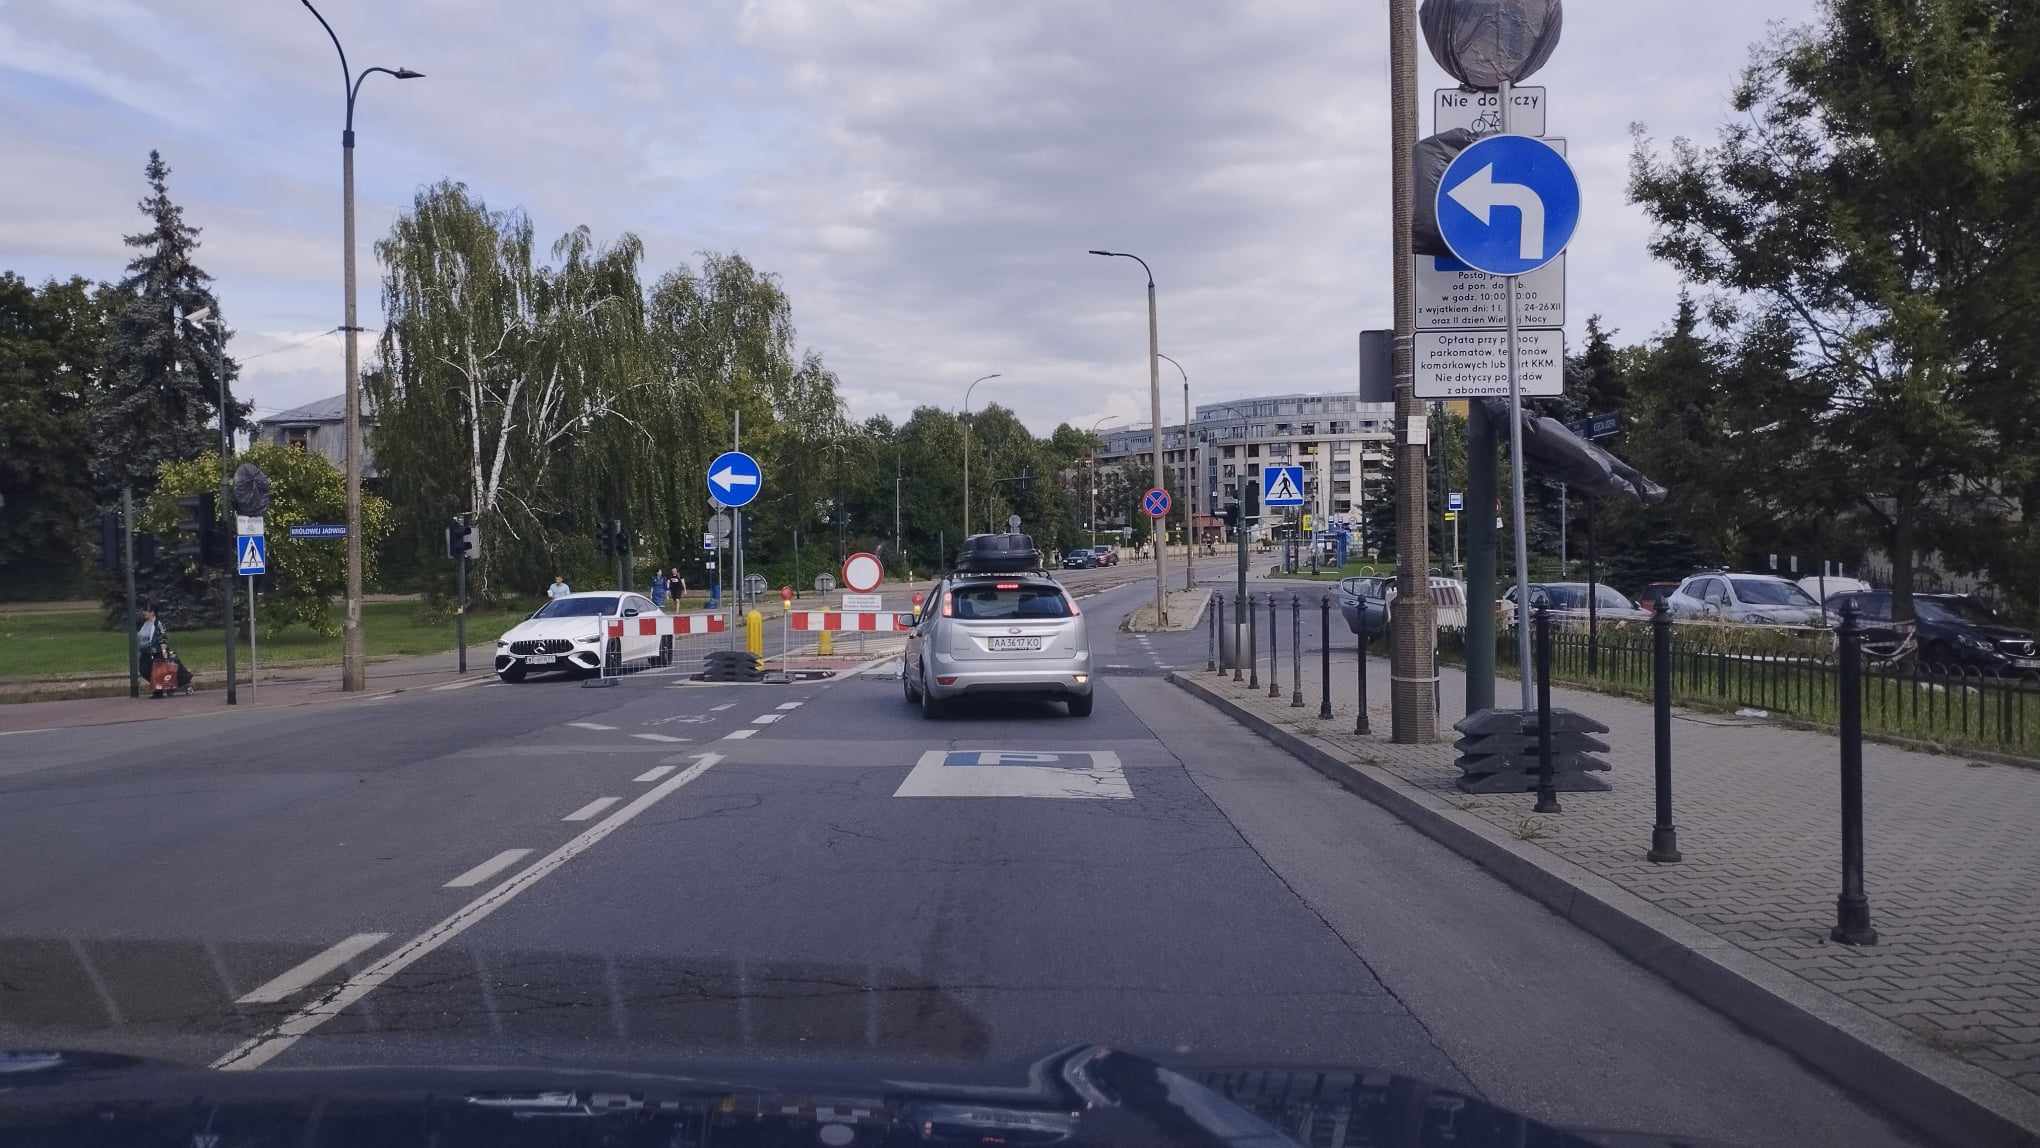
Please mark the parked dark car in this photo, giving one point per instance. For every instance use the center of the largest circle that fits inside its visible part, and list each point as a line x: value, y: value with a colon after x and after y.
x: 1951, y: 630
x: 1078, y: 559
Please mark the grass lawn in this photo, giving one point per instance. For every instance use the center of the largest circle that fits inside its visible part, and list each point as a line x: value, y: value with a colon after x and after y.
x: 43, y: 645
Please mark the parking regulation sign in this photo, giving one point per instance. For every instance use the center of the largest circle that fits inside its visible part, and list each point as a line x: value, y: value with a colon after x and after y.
x: 1155, y: 503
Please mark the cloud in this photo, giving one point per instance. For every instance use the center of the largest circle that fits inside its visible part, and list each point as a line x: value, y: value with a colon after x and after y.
x: 924, y: 177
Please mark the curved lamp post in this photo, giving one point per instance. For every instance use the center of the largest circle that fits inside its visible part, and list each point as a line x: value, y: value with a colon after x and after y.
x: 966, y: 449
x: 1155, y: 402
x: 1191, y: 479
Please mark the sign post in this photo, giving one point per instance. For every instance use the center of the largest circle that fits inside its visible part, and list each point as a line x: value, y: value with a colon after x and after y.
x: 1508, y: 205
x: 734, y: 480
x: 252, y: 552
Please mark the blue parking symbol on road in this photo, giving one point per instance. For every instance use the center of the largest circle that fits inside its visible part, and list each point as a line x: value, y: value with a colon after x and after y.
x: 1010, y: 757
x: 1508, y: 205
x: 1282, y: 486
x: 734, y: 478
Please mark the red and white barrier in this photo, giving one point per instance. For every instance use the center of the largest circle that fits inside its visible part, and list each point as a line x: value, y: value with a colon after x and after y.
x: 676, y: 625
x: 813, y: 620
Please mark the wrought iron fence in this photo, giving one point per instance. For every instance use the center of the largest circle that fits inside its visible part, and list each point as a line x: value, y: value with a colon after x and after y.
x: 1957, y: 706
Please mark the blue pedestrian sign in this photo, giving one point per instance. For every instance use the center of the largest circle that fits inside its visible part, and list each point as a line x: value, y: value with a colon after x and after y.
x: 1508, y: 205
x: 1282, y: 486
x: 1155, y: 503
x: 252, y: 554
x: 734, y: 478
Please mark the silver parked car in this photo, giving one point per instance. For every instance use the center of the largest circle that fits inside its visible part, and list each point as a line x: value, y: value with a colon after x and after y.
x: 1760, y: 599
x: 998, y: 633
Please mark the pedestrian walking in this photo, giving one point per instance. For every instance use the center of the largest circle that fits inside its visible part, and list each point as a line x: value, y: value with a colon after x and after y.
x: 559, y: 587
x: 659, y: 586
x: 160, y: 664
x: 676, y: 585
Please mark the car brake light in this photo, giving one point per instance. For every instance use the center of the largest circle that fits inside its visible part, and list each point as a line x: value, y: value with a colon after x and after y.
x: 1006, y: 586
x: 947, y: 610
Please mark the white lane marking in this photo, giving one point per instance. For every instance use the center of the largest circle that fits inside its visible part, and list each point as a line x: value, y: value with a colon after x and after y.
x: 381, y: 697
x: 654, y: 773
x: 656, y: 737
x: 738, y: 734
x: 786, y: 705
x: 722, y: 707
x: 311, y: 970
x: 1070, y: 774
x: 487, y: 869
x: 462, y: 684
x: 766, y: 719
x: 589, y: 725
x: 267, y: 1046
x: 589, y: 811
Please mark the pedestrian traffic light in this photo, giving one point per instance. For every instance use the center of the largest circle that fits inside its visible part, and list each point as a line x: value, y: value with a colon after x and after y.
x: 198, y: 529
x: 461, y: 539
x: 1232, y: 515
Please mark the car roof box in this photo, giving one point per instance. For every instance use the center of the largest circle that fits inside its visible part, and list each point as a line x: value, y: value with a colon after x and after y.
x: 998, y: 554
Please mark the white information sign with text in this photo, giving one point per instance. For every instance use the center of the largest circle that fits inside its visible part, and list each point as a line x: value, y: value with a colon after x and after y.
x: 1475, y: 364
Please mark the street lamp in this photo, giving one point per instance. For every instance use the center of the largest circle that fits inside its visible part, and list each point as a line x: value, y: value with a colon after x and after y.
x: 353, y: 663
x: 1155, y: 403
x: 1189, y: 486
x: 966, y: 449
x: 1094, y: 475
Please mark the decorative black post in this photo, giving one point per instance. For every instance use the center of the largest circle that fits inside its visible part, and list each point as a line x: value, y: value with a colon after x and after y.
x: 1296, y: 651
x: 1253, y: 648
x: 1239, y: 604
x: 1360, y: 722
x: 1664, y: 837
x: 1274, y: 648
x: 1852, y: 908
x: 1547, y: 796
x: 1324, y: 709
x: 1211, y: 655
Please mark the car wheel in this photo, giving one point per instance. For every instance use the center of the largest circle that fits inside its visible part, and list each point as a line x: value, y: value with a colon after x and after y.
x: 907, y: 684
x: 666, y: 651
x: 1081, y: 706
x: 931, y: 706
x: 514, y: 672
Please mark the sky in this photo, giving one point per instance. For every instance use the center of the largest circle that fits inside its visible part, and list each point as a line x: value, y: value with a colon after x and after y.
x: 924, y: 177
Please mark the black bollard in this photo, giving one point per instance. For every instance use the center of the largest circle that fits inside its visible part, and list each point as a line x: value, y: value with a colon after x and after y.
x: 1664, y: 837
x: 1852, y: 908
x: 1547, y: 797
x: 1360, y: 722
x: 1217, y: 608
x: 1253, y: 648
x: 1239, y: 603
x: 1274, y: 648
x: 1296, y: 651
x: 1324, y: 709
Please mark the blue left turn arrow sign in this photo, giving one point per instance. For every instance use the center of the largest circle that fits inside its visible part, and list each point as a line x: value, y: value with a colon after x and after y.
x: 734, y: 478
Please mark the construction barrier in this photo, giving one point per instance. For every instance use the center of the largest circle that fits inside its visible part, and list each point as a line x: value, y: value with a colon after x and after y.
x: 826, y: 620
x: 676, y: 625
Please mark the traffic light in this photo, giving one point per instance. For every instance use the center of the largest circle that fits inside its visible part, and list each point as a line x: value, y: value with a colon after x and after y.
x: 198, y: 529
x: 461, y: 540
x: 1232, y: 515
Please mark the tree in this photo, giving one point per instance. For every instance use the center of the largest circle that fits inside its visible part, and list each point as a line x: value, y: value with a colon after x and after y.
x: 1875, y: 205
x: 50, y: 350
x: 306, y: 574
x: 159, y: 399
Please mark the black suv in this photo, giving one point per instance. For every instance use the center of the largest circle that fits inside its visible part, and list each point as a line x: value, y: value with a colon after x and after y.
x: 1952, y: 630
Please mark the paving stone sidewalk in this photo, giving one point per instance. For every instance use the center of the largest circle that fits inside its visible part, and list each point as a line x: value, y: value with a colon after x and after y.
x: 1953, y: 866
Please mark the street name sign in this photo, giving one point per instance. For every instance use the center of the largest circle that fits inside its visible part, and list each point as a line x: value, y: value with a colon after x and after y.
x: 1508, y: 205
x: 734, y: 478
x: 1475, y: 364
x: 1282, y: 486
x: 320, y: 530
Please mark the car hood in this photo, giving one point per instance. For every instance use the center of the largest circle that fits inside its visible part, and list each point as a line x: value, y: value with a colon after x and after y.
x: 1992, y: 633
x: 1084, y: 1094
x: 535, y: 628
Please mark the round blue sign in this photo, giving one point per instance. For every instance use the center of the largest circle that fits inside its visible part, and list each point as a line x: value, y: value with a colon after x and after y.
x: 1508, y: 205
x: 1156, y: 503
x: 734, y: 478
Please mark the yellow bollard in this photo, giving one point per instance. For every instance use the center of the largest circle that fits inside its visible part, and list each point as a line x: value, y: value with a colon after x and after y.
x: 754, y: 633
x: 828, y: 643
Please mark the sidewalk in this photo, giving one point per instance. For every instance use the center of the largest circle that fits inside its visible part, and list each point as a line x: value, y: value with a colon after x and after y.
x: 1940, y: 1019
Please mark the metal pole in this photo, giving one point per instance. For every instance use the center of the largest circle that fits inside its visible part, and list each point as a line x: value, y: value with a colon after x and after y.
x: 353, y: 661
x: 1324, y: 711
x: 226, y: 497
x: 127, y: 551
x: 1155, y: 402
x: 1664, y: 837
x: 1564, y: 530
x: 1516, y: 475
x: 460, y: 614
x: 254, y: 672
x: 1296, y: 651
x: 1852, y: 908
x: 1547, y: 796
x: 1480, y: 557
x: 1413, y: 677
x: 1593, y: 591
x: 1240, y: 579
x: 1274, y: 649
x: 1253, y: 654
x: 1360, y: 724
x: 1211, y: 655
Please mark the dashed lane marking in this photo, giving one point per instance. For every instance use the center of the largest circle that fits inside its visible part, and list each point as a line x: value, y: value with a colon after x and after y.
x: 596, y: 725
x: 739, y: 734
x: 656, y: 737
x: 722, y: 707
x: 789, y: 705
x: 766, y: 719
x: 654, y: 773
x: 487, y: 869
x: 591, y: 810
x: 272, y: 1042
x: 314, y: 968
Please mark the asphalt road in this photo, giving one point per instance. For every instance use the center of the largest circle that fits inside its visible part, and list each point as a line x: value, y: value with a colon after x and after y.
x: 544, y: 873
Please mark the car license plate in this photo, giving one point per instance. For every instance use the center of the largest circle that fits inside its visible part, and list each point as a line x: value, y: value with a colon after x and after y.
x: 2027, y: 663
x: 540, y: 660
x: 1015, y: 643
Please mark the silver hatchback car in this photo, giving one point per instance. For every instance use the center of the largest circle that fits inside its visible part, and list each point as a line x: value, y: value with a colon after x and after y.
x: 1011, y: 634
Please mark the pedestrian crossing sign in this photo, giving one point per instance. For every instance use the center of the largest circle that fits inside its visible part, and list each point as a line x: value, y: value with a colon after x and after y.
x: 254, y: 555
x: 1282, y: 486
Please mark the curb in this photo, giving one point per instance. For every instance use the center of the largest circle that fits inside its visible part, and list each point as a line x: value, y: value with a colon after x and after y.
x: 1952, y: 1100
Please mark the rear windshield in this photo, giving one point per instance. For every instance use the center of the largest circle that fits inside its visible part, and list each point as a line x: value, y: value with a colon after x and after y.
x: 1761, y: 592
x: 577, y: 608
x: 1004, y: 601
